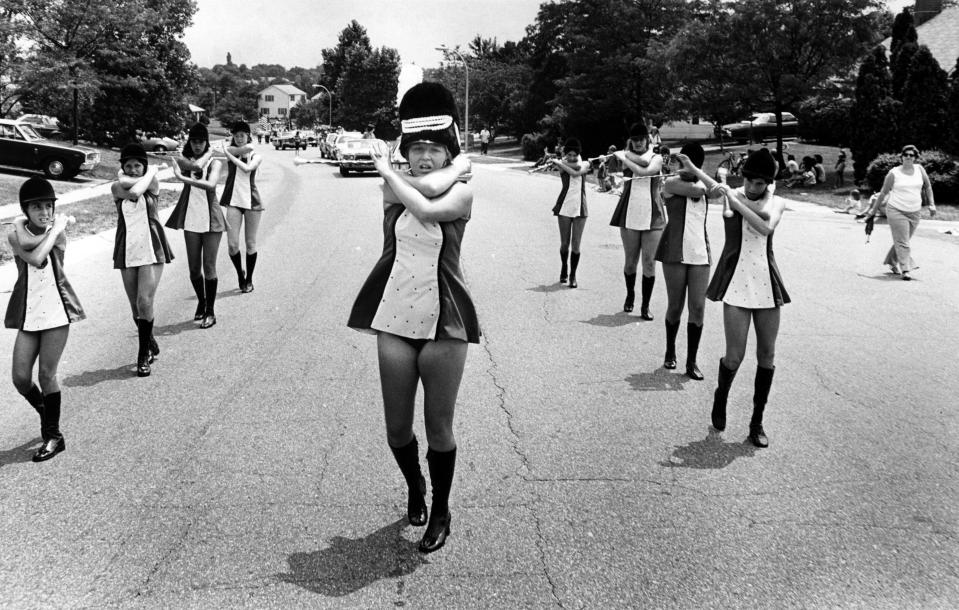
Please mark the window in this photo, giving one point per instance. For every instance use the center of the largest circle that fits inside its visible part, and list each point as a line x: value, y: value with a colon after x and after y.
x: 264, y: 111
x: 267, y: 98
x: 281, y: 111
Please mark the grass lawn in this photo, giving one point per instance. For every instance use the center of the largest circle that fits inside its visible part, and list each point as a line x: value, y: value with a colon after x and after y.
x: 93, y: 216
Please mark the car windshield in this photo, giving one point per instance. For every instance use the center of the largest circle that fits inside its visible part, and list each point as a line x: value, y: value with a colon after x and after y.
x: 355, y: 145
x: 29, y: 133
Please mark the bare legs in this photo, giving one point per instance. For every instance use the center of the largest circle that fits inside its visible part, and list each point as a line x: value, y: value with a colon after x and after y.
x: 201, y: 251
x: 47, y: 346
x: 639, y: 245
x: 680, y: 280
x: 250, y: 219
x: 570, y: 236
x: 140, y: 284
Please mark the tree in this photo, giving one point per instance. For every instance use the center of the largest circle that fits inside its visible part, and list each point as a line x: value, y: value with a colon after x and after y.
x: 11, y: 58
x: 924, y: 99
x: 875, y: 115
x: 366, y: 90
x: 123, y: 57
x: 334, y: 60
x: 790, y: 48
x: 951, y: 144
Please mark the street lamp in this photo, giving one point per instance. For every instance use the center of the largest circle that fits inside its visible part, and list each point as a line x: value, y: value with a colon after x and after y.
x: 466, y: 126
x: 331, y: 102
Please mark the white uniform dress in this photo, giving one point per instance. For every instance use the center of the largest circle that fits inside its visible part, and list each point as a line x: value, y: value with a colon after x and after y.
x: 750, y: 286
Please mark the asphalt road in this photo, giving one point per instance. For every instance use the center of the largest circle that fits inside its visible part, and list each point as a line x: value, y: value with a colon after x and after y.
x: 251, y: 469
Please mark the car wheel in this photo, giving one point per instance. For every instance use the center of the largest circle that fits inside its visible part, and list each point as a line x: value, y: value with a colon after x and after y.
x: 54, y: 168
x: 344, y: 171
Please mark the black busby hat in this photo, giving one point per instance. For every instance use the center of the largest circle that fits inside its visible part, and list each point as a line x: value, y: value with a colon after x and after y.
x: 240, y: 126
x: 133, y: 150
x: 638, y: 130
x: 198, y: 132
x: 572, y: 144
x: 695, y: 153
x: 428, y: 114
x: 36, y: 189
x: 760, y: 165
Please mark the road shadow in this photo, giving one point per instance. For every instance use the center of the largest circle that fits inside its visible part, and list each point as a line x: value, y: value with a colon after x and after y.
x: 92, y: 378
x: 548, y: 287
x: 612, y: 320
x: 174, y: 329
x: 883, y: 277
x: 710, y: 453
x: 659, y: 380
x: 23, y: 453
x: 348, y: 564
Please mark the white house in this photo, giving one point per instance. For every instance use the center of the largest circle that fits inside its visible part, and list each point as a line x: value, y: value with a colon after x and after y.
x: 275, y: 101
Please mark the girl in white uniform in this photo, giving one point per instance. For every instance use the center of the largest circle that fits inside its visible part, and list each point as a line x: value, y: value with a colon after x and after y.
x: 42, y: 307
x: 570, y: 209
x: 243, y: 205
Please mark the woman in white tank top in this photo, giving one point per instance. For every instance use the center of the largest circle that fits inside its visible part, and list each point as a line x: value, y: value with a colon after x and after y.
x: 902, y: 192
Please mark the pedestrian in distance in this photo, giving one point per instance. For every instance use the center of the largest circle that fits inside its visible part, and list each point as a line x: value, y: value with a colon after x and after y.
x: 200, y: 216
x: 684, y: 252
x: 570, y: 209
x: 140, y: 249
x: 368, y: 134
x: 484, y: 138
x: 416, y: 301
x: 840, y: 169
x: 902, y: 194
x: 42, y: 306
x: 241, y: 198
x: 748, y: 283
x: 639, y: 214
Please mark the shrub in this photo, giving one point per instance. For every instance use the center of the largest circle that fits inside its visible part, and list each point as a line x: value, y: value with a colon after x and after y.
x: 942, y: 168
x: 533, y: 144
x: 825, y: 121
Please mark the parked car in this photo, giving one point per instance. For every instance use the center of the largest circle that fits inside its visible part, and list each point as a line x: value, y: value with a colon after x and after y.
x: 159, y: 144
x: 287, y: 139
x: 308, y: 136
x: 46, y: 126
x: 340, y: 139
x: 761, y: 127
x: 356, y: 155
x: 21, y: 146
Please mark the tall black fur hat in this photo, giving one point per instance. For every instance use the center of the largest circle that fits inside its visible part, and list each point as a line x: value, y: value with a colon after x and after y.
x: 638, y: 130
x: 760, y: 165
x: 695, y: 153
x: 198, y: 132
x: 428, y: 114
x: 35, y: 189
x: 133, y: 150
x: 572, y: 144
x: 240, y: 126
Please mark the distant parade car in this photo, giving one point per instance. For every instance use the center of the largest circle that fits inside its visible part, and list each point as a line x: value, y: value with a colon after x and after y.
x: 761, y: 127
x: 159, y: 144
x: 356, y: 156
x: 46, y: 126
x: 21, y: 146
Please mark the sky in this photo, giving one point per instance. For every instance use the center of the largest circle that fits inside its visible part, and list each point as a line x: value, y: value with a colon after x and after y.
x: 294, y: 32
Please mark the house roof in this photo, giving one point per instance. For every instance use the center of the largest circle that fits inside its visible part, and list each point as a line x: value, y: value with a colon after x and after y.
x: 941, y: 35
x: 287, y: 89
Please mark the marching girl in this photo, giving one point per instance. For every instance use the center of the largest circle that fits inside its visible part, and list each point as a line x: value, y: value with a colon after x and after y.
x: 748, y: 283
x: 570, y: 209
x: 201, y: 219
x: 640, y: 215
x: 242, y: 201
x: 416, y: 301
x: 141, y: 247
x: 42, y: 307
x: 684, y: 252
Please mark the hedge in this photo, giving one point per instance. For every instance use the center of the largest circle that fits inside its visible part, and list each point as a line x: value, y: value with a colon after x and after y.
x: 942, y: 168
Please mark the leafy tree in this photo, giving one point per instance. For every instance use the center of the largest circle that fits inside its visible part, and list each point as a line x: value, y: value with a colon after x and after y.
x: 335, y: 59
x: 924, y: 98
x: 903, y: 31
x: 900, y: 63
x: 790, y: 48
x: 875, y: 114
x: 11, y: 58
x: 238, y: 104
x: 952, y: 113
x: 366, y: 90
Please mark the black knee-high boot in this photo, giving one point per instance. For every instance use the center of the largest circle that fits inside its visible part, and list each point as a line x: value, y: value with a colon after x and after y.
x: 564, y: 270
x: 672, y: 329
x: 725, y: 381
x: 647, y: 288
x: 408, y: 459
x: 764, y: 381
x: 694, y: 333
x: 35, y: 397
x: 209, y: 317
x: 53, y: 442
x: 442, y: 465
x: 144, y: 334
x: 630, y: 291
x: 238, y: 265
x: 200, y: 290
x: 250, y: 265
x: 573, y: 264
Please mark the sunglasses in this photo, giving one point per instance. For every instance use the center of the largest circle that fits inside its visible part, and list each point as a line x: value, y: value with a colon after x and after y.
x: 908, y: 154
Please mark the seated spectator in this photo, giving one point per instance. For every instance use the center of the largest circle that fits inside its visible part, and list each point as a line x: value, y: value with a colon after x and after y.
x: 807, y: 176
x: 819, y: 170
x: 792, y: 167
